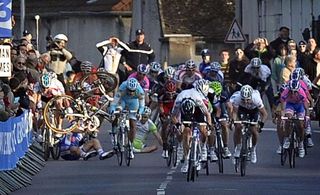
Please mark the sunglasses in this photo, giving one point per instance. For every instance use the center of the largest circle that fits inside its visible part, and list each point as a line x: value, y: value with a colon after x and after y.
x: 22, y: 63
x: 131, y: 91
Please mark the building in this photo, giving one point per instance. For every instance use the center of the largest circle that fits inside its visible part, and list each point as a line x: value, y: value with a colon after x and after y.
x: 263, y: 18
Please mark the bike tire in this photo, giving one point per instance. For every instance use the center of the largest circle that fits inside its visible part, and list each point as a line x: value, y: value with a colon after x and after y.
x: 219, y: 153
x: 243, y: 164
x: 127, y: 148
x: 55, y: 151
x: 175, y: 153
x: 284, y: 154
x: 46, y: 144
x: 50, y: 112
x: 170, y: 148
x: 119, y: 152
x: 108, y: 81
x: 236, y: 164
x: 243, y: 156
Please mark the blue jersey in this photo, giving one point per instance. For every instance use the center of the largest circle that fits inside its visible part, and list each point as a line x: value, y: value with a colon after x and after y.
x: 202, y: 66
x: 70, y: 139
x: 126, y: 101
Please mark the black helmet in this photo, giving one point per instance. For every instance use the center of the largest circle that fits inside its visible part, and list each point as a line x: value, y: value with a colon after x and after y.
x: 188, y: 107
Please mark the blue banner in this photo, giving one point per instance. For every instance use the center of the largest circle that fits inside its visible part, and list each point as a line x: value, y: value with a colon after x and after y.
x: 15, y: 139
x: 5, y: 19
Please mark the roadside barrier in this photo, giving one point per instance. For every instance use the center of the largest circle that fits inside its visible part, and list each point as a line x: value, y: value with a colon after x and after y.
x: 20, y: 157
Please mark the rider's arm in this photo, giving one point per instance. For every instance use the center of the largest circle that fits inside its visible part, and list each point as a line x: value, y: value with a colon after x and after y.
x: 235, y: 113
x: 306, y: 107
x: 264, y: 114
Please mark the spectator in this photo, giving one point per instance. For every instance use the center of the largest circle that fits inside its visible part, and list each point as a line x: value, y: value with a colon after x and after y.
x: 311, y: 46
x: 59, y: 56
x: 206, y: 60
x: 313, y: 67
x: 237, y: 66
x: 145, y: 54
x: 290, y: 65
x: 283, y: 38
x: 277, y: 66
x: 302, y: 54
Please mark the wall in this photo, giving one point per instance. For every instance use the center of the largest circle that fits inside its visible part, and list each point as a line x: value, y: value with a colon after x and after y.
x: 264, y: 17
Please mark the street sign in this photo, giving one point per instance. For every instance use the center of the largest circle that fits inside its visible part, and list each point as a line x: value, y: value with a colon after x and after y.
x: 234, y: 34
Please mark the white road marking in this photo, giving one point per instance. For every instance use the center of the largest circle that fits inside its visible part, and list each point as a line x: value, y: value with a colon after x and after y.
x: 162, y: 188
x: 274, y: 129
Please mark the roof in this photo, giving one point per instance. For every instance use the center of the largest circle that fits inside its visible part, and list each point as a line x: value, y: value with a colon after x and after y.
x: 204, y: 18
x: 60, y: 6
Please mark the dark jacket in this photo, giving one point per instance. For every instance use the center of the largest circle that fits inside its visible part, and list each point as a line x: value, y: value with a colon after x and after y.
x: 133, y: 59
x: 310, y: 68
x: 265, y: 55
x: 275, y: 44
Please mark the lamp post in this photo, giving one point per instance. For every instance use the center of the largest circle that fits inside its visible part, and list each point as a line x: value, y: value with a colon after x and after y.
x: 37, y: 17
x: 22, y: 18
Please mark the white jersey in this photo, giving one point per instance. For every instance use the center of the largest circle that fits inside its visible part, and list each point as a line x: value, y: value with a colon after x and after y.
x: 255, y: 102
x: 197, y: 97
x: 262, y: 73
x: 56, y: 87
x: 111, y: 56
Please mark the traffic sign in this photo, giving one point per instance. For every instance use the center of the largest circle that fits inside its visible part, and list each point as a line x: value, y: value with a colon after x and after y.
x: 234, y: 34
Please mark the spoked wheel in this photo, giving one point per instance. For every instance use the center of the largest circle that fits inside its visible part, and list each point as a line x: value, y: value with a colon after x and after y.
x: 191, y: 171
x: 92, y: 82
x: 119, y: 150
x: 292, y: 157
x: 55, y: 151
x: 236, y: 164
x: 219, y: 154
x: 243, y: 164
x: 174, y: 155
x: 64, y: 110
x: 46, y: 144
x: 127, y: 149
x: 170, y: 150
x: 284, y: 154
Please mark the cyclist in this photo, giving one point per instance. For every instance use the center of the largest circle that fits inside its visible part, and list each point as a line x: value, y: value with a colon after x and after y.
x: 217, y: 97
x: 166, y: 75
x: 145, y: 126
x: 129, y: 96
x: 205, y: 54
x: 213, y: 72
x: 166, y: 102
x: 155, y: 70
x: 189, y: 76
x: 141, y: 76
x: 294, y: 100
x: 73, y: 147
x: 247, y: 104
x: 192, y: 105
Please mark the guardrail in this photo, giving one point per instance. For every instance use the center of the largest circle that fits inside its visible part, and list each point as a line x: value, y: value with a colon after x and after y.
x: 20, y: 157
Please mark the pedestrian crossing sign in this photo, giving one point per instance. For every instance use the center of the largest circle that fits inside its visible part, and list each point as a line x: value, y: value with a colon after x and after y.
x: 234, y: 34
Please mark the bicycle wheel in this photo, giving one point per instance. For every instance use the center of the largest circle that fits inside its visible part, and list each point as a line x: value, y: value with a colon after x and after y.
x: 219, y: 153
x: 46, y: 143
x: 236, y: 164
x: 170, y: 149
x: 55, y: 151
x: 243, y: 164
x: 192, y: 160
x: 54, y: 114
x: 119, y: 151
x: 243, y: 156
x: 174, y: 151
x: 284, y: 154
x: 92, y: 81
x: 292, y: 151
x: 127, y: 147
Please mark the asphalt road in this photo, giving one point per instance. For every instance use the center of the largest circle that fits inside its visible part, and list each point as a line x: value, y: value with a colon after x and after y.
x: 148, y: 174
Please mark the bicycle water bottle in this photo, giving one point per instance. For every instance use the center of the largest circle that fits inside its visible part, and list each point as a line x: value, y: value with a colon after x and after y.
x: 196, y: 132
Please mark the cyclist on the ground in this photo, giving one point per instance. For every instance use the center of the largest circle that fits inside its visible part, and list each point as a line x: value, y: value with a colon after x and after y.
x: 130, y: 96
x: 144, y: 127
x: 166, y: 102
x: 189, y: 76
x: 192, y: 105
x: 294, y: 100
x: 247, y: 105
x: 73, y: 147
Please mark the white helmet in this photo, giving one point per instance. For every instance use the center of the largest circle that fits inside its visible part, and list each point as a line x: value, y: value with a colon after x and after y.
x: 147, y: 111
x: 246, y: 92
x: 169, y: 72
x: 255, y: 62
x: 202, y: 86
x: 155, y: 66
x: 60, y: 37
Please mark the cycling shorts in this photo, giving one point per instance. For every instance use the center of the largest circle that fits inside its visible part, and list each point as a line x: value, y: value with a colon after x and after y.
x: 198, y: 116
x: 246, y: 114
x: 292, y: 108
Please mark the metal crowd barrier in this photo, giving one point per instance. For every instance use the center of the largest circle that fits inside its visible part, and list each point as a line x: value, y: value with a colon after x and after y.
x: 20, y: 157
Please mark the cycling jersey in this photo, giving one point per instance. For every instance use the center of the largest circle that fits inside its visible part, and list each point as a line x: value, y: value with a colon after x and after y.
x: 167, y: 102
x: 142, y: 132
x: 127, y: 101
x: 202, y: 66
x: 55, y: 88
x: 295, y: 98
x: 69, y: 140
x: 145, y: 83
x: 255, y: 102
x: 263, y: 72
x: 187, y: 80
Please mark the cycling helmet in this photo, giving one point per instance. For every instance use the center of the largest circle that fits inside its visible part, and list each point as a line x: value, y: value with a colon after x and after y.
x: 86, y: 66
x: 143, y: 69
x: 246, y: 92
x: 283, y: 87
x: 255, y: 62
x: 170, y: 86
x: 215, y: 87
x: 46, y: 79
x: 300, y: 70
x: 155, y: 66
x: 215, y: 66
x: 188, y: 107
x: 294, y: 85
x: 205, y: 52
x: 190, y: 65
x: 146, y: 111
x: 132, y: 84
x: 169, y: 72
x: 59, y: 37
x: 202, y: 86
x: 295, y: 76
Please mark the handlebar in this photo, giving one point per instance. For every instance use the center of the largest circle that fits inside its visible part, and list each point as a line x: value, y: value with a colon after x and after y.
x: 246, y: 122
x: 190, y: 122
x: 292, y: 118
